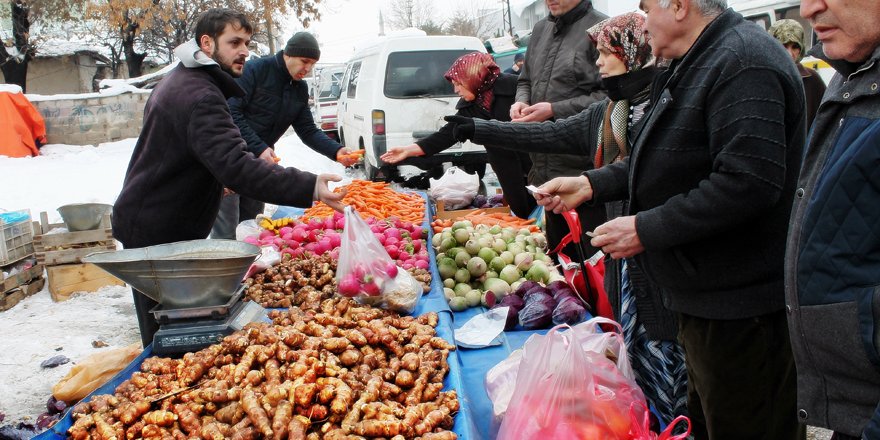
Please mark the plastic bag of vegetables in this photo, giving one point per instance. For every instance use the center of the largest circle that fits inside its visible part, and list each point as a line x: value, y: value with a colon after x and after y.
x: 366, y: 271
x: 501, y: 381
x: 564, y: 392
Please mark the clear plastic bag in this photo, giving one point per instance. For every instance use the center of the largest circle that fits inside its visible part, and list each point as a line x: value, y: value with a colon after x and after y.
x: 366, y: 271
x: 455, y: 188
x: 583, y: 393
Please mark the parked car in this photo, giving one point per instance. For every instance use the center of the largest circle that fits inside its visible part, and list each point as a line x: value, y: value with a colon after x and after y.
x: 394, y: 93
x: 328, y: 86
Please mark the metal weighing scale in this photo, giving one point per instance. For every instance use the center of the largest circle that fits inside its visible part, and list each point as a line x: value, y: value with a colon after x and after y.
x: 197, y: 285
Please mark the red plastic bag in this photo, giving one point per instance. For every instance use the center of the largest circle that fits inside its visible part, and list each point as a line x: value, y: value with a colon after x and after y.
x: 591, y: 285
x: 564, y: 392
x: 641, y: 426
x: 366, y: 271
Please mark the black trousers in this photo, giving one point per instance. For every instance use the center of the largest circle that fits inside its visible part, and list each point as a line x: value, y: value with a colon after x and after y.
x: 512, y: 169
x: 147, y: 323
x: 234, y: 209
x: 741, y: 378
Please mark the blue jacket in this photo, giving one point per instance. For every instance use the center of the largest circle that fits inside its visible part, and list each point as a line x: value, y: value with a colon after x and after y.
x: 833, y: 257
x: 273, y: 102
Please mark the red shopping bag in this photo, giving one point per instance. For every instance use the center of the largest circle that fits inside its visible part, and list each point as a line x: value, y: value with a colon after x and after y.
x: 641, y: 425
x: 587, y: 273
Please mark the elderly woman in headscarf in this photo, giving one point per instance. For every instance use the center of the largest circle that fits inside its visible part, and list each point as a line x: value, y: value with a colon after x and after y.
x: 485, y: 93
x: 791, y: 34
x: 604, y: 131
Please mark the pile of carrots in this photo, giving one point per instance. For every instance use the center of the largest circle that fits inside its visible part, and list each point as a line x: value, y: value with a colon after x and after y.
x: 377, y: 200
x: 354, y: 155
x: 480, y: 217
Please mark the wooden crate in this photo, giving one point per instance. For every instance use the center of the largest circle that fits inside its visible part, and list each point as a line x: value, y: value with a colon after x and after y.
x: 21, y: 278
x: 66, y: 279
x: 70, y: 247
x: 10, y: 298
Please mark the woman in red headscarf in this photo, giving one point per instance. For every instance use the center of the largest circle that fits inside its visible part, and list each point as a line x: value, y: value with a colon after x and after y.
x: 485, y: 93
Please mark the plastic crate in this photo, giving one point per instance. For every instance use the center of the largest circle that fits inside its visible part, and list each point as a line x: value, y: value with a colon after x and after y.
x: 16, y: 236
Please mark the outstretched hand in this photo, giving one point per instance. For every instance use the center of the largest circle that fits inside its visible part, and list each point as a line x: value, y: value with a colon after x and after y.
x: 324, y: 194
x: 463, y: 128
x: 397, y: 154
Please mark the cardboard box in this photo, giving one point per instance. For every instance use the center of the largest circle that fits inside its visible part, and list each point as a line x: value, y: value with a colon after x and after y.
x: 442, y: 213
x: 66, y: 279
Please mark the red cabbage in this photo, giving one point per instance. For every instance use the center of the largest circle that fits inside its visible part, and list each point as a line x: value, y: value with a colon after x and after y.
x: 536, y: 315
x: 569, y: 311
x: 513, y: 301
x: 525, y: 287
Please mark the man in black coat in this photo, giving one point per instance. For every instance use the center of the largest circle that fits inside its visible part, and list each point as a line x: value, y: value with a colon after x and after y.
x: 558, y: 80
x: 275, y: 98
x: 710, y: 184
x: 190, y: 149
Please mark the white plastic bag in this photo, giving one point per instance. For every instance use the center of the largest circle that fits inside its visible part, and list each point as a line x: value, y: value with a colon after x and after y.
x: 455, y: 188
x: 247, y: 228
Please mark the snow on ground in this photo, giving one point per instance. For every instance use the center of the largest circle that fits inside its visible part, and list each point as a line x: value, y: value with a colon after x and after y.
x: 37, y: 328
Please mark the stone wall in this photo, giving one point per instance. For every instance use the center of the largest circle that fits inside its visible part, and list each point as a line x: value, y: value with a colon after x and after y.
x: 92, y: 118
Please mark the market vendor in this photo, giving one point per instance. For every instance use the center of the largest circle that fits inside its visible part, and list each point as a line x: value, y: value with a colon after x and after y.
x: 485, y: 93
x: 190, y: 149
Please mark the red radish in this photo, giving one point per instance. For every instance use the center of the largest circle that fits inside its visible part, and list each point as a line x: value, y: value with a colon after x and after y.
x: 417, y: 245
x: 265, y: 233
x: 371, y: 288
x: 348, y: 286
x: 422, y: 264
x: 359, y: 272
x: 390, y: 241
x: 404, y: 255
x: 407, y: 266
x: 340, y: 223
x: 392, y: 251
x: 252, y: 240
x: 391, y: 270
x: 285, y: 230
x: 393, y: 232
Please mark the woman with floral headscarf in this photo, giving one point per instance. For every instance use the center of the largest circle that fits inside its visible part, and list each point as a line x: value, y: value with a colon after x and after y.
x: 604, y: 132
x: 485, y: 93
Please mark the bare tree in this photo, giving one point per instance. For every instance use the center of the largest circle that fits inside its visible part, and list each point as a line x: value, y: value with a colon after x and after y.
x: 471, y: 19
x: 410, y: 14
x: 19, y: 48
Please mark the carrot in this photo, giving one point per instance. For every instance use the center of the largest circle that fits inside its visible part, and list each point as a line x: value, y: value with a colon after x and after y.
x: 378, y: 200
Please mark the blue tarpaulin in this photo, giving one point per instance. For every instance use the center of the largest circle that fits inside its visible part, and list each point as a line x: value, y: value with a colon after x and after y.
x: 467, y: 367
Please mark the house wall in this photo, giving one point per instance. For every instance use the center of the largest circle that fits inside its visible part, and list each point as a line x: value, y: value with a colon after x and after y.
x: 64, y: 74
x: 91, y: 120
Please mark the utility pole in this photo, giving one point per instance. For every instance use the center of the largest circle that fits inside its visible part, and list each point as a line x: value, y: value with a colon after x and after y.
x: 509, y: 20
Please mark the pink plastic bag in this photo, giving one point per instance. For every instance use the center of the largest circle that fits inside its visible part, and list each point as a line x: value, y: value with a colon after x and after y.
x: 564, y: 392
x: 366, y: 271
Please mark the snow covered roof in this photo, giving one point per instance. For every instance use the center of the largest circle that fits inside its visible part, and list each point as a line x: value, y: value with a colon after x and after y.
x: 10, y: 88
x: 57, y: 47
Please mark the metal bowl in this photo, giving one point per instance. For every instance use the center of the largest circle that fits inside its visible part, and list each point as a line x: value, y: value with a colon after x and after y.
x: 185, y: 274
x: 83, y: 216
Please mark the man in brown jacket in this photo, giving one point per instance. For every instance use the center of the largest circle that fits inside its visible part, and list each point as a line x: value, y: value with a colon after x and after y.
x: 190, y: 149
x: 558, y: 80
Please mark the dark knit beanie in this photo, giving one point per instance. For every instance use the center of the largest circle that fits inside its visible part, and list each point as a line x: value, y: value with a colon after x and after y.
x: 303, y: 44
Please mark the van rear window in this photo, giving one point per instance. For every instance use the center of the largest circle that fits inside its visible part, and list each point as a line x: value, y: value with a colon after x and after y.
x: 415, y: 74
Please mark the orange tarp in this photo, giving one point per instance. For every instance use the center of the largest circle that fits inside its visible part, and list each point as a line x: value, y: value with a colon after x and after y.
x: 21, y: 126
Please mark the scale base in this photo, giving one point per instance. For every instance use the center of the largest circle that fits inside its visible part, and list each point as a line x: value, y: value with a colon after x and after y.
x: 182, y: 336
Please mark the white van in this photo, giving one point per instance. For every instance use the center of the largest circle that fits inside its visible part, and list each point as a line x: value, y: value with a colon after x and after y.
x: 394, y: 93
x: 328, y: 84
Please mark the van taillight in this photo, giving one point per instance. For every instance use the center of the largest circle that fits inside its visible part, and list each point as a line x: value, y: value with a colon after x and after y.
x: 378, y: 122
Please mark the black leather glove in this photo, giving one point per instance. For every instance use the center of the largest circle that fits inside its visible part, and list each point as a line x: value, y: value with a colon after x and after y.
x: 462, y: 127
